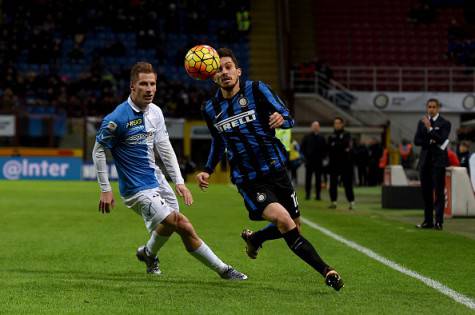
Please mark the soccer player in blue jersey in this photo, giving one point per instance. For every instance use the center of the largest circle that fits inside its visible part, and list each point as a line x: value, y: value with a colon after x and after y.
x: 133, y: 133
x: 242, y: 118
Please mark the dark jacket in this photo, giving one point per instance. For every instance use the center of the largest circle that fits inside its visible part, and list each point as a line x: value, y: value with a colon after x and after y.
x: 430, y: 142
x: 339, y: 150
x: 314, y: 149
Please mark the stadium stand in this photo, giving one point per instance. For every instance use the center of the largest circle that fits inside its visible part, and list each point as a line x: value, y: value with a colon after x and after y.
x: 76, y: 61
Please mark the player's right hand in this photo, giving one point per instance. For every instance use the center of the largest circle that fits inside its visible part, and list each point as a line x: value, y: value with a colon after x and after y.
x: 106, y: 202
x: 202, y: 179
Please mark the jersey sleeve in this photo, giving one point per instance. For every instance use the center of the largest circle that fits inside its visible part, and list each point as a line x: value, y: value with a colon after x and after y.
x: 164, y: 149
x: 276, y: 104
x: 108, y: 132
x: 217, y: 146
x: 161, y: 133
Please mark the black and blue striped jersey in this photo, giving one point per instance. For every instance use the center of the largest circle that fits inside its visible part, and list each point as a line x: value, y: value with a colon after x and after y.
x: 240, y: 126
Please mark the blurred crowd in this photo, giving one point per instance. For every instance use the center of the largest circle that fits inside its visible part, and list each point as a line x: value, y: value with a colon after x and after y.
x: 74, y: 57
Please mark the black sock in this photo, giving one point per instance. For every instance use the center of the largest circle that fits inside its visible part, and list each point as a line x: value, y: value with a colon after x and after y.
x: 302, y: 248
x: 270, y: 232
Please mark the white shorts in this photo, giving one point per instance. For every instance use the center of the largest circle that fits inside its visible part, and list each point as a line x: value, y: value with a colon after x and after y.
x: 155, y: 204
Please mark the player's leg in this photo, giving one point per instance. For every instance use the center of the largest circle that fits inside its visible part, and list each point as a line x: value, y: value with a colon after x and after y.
x: 300, y: 246
x: 162, y: 233
x: 198, y: 249
x: 153, y: 210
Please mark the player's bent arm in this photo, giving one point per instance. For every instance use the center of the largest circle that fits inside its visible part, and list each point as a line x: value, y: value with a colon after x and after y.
x: 216, y: 151
x: 164, y: 148
x: 276, y: 104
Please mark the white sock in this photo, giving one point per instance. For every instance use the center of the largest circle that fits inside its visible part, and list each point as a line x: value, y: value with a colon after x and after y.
x: 207, y: 257
x: 155, y: 243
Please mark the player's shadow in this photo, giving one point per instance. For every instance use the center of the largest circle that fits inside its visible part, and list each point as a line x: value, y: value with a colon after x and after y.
x: 158, y: 281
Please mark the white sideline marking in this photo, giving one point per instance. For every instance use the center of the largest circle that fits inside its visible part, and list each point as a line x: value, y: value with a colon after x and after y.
x: 458, y: 297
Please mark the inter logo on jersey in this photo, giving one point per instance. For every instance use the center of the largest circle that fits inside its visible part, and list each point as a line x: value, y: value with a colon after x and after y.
x: 236, y: 120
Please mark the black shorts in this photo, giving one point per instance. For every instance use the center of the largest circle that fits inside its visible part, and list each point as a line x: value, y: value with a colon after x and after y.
x: 259, y: 193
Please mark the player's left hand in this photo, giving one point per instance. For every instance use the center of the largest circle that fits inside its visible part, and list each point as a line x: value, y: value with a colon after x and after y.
x: 184, y: 192
x: 276, y: 120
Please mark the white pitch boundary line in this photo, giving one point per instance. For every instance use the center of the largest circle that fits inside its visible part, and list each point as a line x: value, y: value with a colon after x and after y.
x: 458, y: 297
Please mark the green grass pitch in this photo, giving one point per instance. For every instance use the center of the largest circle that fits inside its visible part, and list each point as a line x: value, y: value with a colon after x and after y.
x: 59, y: 255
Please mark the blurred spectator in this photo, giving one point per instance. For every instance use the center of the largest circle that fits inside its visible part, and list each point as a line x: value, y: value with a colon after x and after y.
x: 314, y: 150
x: 375, y: 151
x: 295, y: 160
x: 9, y: 101
x: 361, y: 157
x: 463, y: 153
x: 406, y: 153
x: 453, y: 159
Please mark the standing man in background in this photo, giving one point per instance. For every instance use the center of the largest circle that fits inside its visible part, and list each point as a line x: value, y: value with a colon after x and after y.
x: 432, y: 136
x: 341, y: 163
x: 314, y: 151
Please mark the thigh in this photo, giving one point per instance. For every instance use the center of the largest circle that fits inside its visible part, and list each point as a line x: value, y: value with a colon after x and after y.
x: 257, y: 195
x: 152, y: 207
x: 286, y: 194
x: 167, y: 193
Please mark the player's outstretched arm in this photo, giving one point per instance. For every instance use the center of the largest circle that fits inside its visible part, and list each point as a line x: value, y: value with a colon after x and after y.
x: 184, y: 192
x: 202, y: 179
x: 106, y: 202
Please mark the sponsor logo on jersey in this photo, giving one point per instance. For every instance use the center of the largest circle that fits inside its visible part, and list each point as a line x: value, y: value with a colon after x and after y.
x: 141, y: 138
x: 236, y: 120
x: 134, y: 122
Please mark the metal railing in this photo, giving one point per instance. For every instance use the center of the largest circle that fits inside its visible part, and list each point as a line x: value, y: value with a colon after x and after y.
x: 453, y: 79
x: 327, y: 88
x: 397, y: 79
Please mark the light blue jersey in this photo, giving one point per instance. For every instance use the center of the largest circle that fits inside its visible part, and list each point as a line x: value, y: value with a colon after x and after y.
x: 130, y: 135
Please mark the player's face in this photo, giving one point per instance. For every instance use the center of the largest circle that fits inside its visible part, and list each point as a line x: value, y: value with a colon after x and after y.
x: 432, y: 109
x: 338, y: 124
x: 227, y: 75
x: 143, y: 89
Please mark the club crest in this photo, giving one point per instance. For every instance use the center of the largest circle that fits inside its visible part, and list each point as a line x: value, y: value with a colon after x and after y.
x: 261, y: 197
x: 243, y: 101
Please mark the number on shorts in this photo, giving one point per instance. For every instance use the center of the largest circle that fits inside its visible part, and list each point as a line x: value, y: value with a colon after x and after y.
x: 294, y: 198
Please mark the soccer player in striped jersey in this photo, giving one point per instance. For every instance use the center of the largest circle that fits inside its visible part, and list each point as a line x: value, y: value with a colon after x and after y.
x: 242, y: 118
x: 133, y: 133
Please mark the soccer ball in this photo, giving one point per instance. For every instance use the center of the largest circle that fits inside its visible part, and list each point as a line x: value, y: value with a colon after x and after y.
x: 201, y: 62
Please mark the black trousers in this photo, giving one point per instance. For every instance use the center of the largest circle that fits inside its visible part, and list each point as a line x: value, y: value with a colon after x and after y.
x: 309, y: 171
x: 346, y: 176
x: 433, y: 184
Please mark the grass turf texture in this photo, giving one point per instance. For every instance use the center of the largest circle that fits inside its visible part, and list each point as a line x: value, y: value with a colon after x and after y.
x: 59, y: 255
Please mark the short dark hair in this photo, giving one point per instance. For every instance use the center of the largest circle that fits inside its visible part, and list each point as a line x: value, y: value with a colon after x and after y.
x: 436, y: 101
x: 339, y: 118
x: 140, y: 67
x: 465, y: 143
x: 226, y: 52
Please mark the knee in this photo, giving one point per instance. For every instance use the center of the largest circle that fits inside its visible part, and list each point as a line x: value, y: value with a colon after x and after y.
x: 183, y: 225
x: 285, y: 223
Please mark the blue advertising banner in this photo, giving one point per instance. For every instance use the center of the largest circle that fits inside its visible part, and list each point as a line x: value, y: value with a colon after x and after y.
x: 89, y: 172
x: 40, y: 168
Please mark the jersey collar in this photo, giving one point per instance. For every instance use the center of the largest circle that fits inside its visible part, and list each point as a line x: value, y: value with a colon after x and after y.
x: 134, y: 107
x: 242, y: 85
